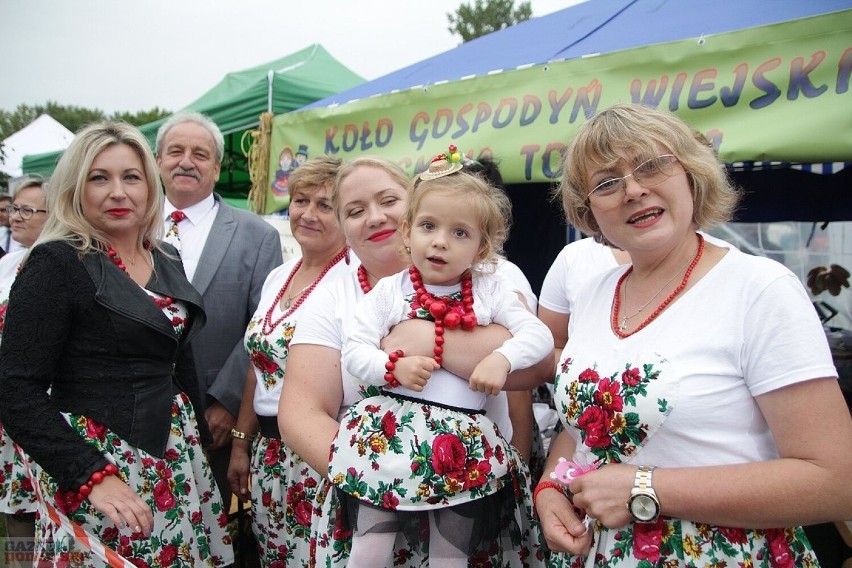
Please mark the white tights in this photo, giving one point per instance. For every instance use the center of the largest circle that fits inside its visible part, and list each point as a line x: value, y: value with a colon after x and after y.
x: 375, y: 549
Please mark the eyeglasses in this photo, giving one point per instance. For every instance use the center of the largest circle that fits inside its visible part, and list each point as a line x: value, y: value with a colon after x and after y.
x: 647, y: 174
x: 25, y: 212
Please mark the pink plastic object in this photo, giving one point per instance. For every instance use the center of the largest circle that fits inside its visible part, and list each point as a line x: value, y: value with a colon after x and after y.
x: 567, y: 471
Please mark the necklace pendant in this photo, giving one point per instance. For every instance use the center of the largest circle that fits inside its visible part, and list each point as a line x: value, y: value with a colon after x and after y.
x: 287, y: 304
x: 623, y: 324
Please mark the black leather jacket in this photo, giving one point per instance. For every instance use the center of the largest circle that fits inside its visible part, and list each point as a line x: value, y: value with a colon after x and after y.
x: 86, y: 331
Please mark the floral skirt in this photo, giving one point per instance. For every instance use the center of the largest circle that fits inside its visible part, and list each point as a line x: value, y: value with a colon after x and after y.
x: 190, y: 524
x: 673, y: 542
x: 16, y: 489
x: 400, y: 453
x: 283, y: 494
x: 461, y: 472
x: 519, y: 546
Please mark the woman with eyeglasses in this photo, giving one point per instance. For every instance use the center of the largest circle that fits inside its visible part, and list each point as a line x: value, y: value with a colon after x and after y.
x: 97, y: 383
x: 703, y: 420
x: 27, y: 215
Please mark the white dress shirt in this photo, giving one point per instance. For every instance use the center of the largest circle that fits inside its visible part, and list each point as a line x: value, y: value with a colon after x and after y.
x: 193, y: 230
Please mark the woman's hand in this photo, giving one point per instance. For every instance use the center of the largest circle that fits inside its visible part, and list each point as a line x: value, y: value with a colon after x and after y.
x: 603, y: 493
x: 563, y: 528
x: 123, y: 506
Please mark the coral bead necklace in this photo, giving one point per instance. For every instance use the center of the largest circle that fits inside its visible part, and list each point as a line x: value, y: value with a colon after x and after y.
x: 364, y: 280
x: 268, y: 324
x: 440, y: 309
x: 619, y: 329
x: 113, y: 255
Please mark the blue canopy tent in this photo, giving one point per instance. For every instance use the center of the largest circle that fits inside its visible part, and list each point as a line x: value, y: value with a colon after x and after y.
x: 646, y: 32
x: 589, y: 28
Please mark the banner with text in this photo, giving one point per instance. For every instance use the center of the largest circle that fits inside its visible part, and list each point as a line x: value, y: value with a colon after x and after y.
x: 779, y: 92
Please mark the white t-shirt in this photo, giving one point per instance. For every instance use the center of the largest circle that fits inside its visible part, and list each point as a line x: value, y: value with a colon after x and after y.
x: 577, y: 263
x: 9, y: 271
x: 270, y: 350
x: 681, y: 391
x: 326, y: 321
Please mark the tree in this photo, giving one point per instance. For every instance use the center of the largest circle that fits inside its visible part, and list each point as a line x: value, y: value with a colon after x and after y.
x: 142, y: 117
x: 486, y: 16
x: 71, y: 117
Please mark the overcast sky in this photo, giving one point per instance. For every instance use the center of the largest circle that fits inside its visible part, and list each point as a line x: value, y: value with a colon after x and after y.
x: 122, y: 55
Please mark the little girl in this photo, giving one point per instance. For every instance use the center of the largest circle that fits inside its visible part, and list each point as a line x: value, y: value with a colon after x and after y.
x: 422, y: 458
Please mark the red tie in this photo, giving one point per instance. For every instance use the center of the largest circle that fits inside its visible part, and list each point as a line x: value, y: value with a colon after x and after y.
x: 173, y: 233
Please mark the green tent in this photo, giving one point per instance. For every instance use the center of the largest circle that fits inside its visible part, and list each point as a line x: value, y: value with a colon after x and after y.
x: 236, y: 103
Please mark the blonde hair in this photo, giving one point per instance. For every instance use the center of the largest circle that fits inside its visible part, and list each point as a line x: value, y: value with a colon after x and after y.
x: 314, y: 173
x: 32, y: 183
x: 66, y: 220
x: 490, y: 204
x: 28, y: 182
x: 643, y: 130
x: 346, y: 168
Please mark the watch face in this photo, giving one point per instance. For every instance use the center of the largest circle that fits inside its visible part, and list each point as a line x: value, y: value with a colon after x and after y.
x: 643, y: 508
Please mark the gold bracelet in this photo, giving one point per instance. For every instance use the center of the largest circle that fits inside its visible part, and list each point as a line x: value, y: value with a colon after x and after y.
x: 240, y: 435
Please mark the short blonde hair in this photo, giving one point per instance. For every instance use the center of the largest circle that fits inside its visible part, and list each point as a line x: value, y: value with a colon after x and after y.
x: 66, y: 220
x: 490, y: 204
x: 643, y: 130
x: 30, y: 181
x: 314, y: 173
x: 396, y: 173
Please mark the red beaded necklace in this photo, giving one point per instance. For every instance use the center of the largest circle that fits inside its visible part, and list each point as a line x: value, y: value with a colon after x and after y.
x: 364, y: 280
x: 113, y: 255
x: 440, y: 310
x: 268, y: 324
x: 616, y: 302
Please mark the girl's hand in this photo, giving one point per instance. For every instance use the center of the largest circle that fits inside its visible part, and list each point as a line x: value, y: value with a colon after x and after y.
x: 414, y: 372
x: 489, y: 376
x: 123, y: 506
x: 563, y: 529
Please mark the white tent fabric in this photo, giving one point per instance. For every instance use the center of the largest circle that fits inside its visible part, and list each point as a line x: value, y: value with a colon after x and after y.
x: 44, y: 134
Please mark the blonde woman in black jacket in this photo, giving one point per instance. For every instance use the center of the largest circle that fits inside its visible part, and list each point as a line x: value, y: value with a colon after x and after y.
x: 97, y: 384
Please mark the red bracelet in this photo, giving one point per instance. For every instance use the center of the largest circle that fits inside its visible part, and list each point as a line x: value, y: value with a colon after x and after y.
x: 97, y: 477
x: 393, y: 357
x: 546, y: 485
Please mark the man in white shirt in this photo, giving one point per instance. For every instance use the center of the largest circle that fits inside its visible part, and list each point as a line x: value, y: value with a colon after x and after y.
x: 227, y: 254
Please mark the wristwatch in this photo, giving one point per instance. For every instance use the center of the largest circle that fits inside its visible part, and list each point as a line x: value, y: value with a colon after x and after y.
x: 643, y: 503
